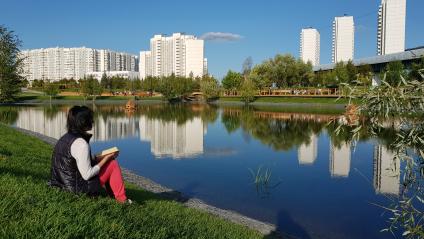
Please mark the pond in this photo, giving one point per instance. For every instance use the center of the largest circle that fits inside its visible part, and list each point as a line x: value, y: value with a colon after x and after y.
x: 310, y: 181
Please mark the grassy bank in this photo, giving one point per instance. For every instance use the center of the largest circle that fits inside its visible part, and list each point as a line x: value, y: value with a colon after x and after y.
x: 31, y: 209
x: 283, y: 99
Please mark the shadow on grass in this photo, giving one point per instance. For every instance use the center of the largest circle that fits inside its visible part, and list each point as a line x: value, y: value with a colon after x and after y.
x: 22, y: 173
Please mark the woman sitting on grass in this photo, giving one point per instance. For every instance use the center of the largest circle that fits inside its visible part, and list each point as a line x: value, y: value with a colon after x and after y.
x: 73, y: 167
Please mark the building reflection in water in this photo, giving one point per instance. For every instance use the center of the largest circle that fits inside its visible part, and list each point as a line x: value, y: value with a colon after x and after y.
x: 307, y: 153
x: 37, y: 121
x: 168, y: 138
x: 386, y: 171
x: 115, y: 128
x: 340, y: 160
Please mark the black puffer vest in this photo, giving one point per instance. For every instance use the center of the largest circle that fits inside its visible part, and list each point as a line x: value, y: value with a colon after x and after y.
x: 64, y: 170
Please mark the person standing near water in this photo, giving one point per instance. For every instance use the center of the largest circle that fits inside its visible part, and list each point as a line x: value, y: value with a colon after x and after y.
x: 74, y: 169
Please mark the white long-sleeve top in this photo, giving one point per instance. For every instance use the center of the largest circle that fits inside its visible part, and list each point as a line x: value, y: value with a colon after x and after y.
x: 80, y: 150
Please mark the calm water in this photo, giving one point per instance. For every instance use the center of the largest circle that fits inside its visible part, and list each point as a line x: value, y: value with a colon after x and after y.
x: 319, y: 186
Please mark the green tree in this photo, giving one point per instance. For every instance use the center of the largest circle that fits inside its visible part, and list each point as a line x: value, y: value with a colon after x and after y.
x: 137, y: 84
x: 232, y: 81
x: 305, y: 74
x: 259, y: 75
x: 175, y: 87
x: 91, y: 87
x: 51, y: 89
x: 105, y: 82
x: 248, y: 91
x: 365, y: 73
x: 150, y: 84
x: 342, y: 75
x: 10, y: 65
x: 209, y: 86
x: 37, y: 84
x: 352, y: 72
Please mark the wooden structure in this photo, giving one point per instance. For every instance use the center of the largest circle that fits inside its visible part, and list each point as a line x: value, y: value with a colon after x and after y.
x: 292, y: 92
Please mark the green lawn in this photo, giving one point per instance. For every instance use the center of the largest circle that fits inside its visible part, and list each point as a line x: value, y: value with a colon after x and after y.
x: 283, y: 99
x: 31, y: 209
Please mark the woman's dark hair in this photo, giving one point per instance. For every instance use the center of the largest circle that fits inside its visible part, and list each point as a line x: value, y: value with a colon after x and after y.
x: 80, y: 120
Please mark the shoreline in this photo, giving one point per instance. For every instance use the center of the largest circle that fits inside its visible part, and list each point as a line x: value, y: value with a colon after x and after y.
x: 335, y: 105
x: 264, y: 228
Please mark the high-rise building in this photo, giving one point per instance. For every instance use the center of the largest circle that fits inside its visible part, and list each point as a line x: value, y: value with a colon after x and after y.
x: 391, y: 27
x: 59, y: 63
x: 310, y: 46
x: 179, y: 54
x: 343, y: 39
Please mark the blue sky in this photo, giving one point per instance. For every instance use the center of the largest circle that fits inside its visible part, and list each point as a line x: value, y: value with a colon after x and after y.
x: 267, y: 27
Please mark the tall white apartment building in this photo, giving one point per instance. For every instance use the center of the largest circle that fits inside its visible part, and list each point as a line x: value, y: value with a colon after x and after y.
x: 59, y: 63
x: 310, y: 46
x: 343, y: 39
x: 179, y: 54
x: 391, y: 27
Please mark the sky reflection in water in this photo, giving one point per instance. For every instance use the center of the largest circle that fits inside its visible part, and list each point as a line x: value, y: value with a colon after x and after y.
x: 318, y: 185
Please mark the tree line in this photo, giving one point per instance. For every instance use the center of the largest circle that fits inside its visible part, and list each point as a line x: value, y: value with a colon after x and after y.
x: 281, y: 71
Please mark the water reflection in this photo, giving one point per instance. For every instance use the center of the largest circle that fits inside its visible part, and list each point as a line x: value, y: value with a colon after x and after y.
x: 297, y: 150
x: 340, y: 160
x: 386, y: 171
x: 168, y: 138
x: 177, y: 137
x: 307, y: 152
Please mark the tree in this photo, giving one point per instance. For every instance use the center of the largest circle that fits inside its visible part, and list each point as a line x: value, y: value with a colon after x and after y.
x: 305, y: 74
x: 91, y: 87
x: 365, y: 73
x: 248, y: 91
x: 209, y: 87
x: 259, y: 75
x: 341, y: 72
x: 10, y: 65
x: 232, y: 81
x: 150, y: 84
x: 174, y: 87
x: 352, y: 72
x: 105, y: 82
x: 51, y: 89
x: 37, y: 83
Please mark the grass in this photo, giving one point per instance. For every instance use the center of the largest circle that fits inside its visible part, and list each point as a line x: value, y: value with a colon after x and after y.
x: 31, y: 209
x: 282, y: 99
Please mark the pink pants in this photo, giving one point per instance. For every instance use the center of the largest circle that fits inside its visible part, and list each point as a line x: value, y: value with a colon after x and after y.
x: 111, y: 178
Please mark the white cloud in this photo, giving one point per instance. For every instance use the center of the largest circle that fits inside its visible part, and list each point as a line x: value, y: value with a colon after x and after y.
x: 221, y: 36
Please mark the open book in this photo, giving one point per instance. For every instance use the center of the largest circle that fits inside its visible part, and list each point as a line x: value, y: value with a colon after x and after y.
x: 107, y: 151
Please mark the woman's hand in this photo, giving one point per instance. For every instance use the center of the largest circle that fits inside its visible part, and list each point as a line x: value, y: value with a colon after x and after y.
x: 104, y: 159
